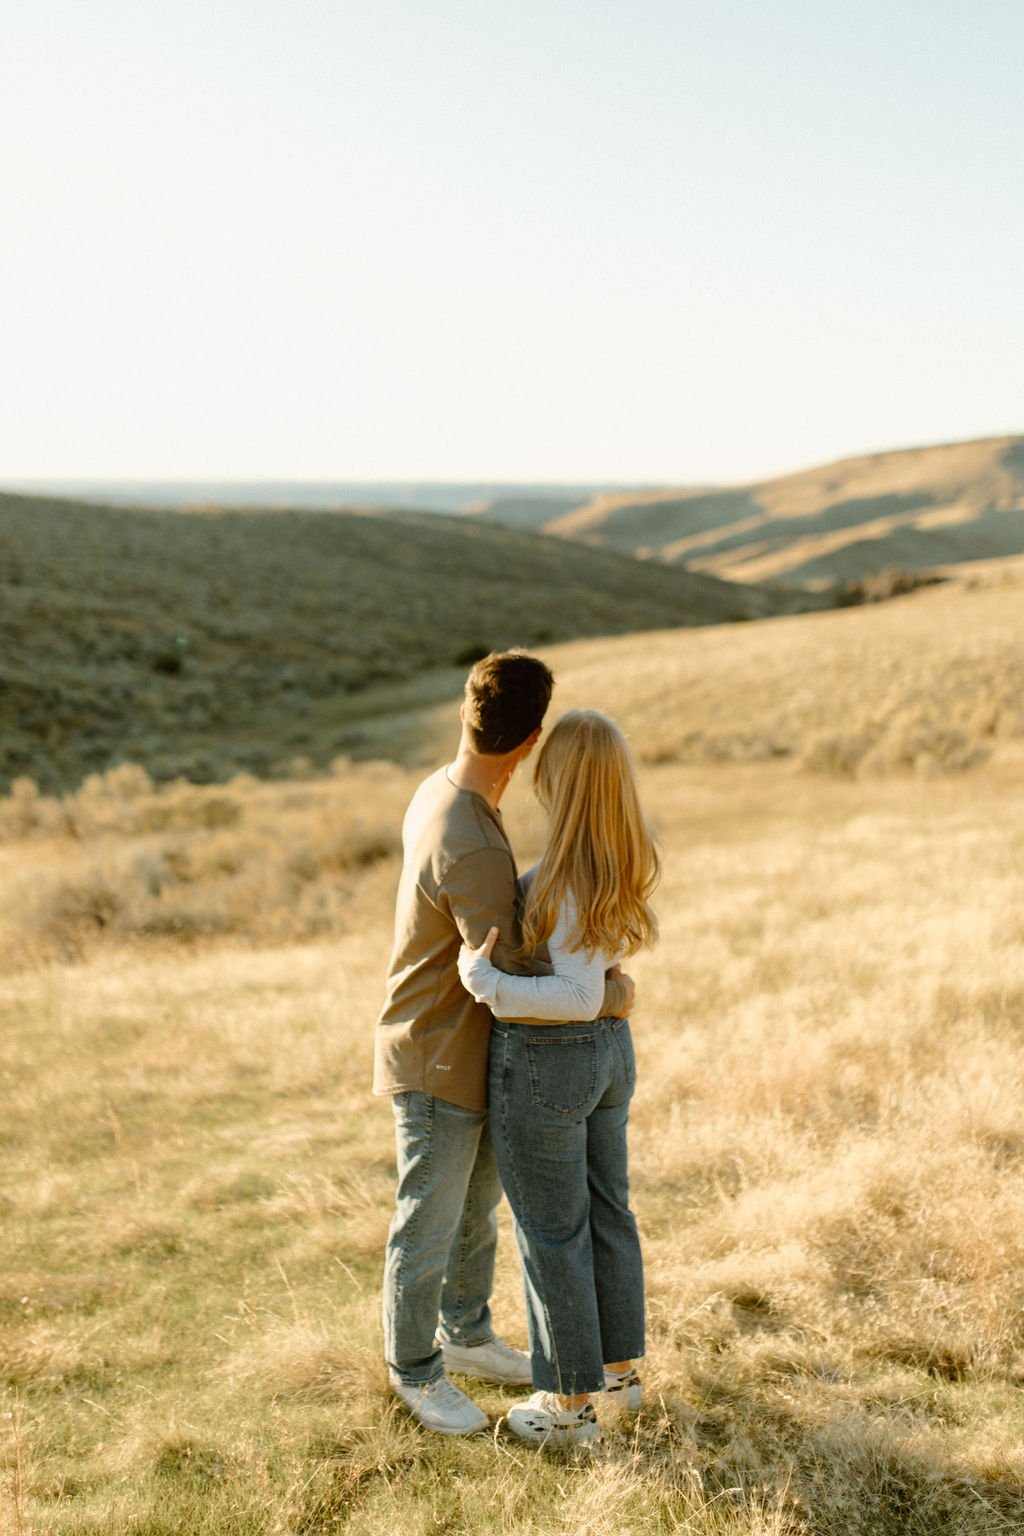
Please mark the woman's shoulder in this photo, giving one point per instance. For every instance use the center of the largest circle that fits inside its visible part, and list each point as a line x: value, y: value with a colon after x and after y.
x: 567, y: 923
x: 527, y: 878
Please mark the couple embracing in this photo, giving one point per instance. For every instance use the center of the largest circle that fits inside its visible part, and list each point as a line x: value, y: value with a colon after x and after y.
x: 505, y: 1048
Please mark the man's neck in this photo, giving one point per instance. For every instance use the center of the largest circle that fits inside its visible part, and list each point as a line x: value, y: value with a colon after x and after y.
x: 483, y: 773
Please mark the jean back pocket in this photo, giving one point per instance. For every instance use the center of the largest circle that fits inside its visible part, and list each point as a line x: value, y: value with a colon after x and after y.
x: 563, y: 1072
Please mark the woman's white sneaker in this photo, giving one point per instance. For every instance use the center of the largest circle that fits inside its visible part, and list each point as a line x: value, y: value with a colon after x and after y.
x: 493, y: 1361
x: 439, y: 1405
x: 624, y: 1389
x: 542, y: 1419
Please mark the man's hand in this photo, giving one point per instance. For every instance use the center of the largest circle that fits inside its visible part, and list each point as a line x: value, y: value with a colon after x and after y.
x: 630, y: 985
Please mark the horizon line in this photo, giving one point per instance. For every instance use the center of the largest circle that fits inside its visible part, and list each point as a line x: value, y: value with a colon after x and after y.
x: 613, y: 482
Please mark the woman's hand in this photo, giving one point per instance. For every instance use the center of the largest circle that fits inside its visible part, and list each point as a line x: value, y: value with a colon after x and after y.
x: 486, y: 948
x: 466, y: 958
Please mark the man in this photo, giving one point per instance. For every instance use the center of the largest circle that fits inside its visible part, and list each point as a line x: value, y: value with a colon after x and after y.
x: 458, y: 880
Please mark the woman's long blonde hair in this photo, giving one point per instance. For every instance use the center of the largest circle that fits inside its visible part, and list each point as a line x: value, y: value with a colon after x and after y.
x: 599, y: 847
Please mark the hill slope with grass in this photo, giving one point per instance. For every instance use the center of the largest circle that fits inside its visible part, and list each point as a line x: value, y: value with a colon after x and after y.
x: 930, y: 684
x: 912, y: 509
x: 201, y: 643
x: 930, y: 688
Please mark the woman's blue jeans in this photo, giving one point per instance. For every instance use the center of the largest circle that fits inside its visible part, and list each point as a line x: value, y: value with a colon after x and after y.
x: 559, y: 1100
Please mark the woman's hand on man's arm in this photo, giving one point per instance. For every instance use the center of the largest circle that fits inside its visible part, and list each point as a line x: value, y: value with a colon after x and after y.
x: 476, y: 970
x: 486, y: 948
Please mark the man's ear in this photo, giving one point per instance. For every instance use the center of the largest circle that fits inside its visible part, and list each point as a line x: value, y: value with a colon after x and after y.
x: 462, y: 713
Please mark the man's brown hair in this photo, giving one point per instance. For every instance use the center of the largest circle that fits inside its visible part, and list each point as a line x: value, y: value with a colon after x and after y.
x: 507, y: 694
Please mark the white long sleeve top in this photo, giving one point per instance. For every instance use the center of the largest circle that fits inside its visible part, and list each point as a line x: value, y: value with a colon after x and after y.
x: 575, y: 991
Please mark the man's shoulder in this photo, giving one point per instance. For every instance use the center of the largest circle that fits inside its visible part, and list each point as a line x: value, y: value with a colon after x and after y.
x: 447, y: 824
x: 430, y: 793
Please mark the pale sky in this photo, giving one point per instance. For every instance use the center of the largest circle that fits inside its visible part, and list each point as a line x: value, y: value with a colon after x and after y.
x: 633, y: 240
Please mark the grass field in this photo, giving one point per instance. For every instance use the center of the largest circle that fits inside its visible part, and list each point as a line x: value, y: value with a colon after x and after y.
x: 827, y: 1145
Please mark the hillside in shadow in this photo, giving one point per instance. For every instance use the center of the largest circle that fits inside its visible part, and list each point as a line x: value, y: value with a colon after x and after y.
x: 204, y: 643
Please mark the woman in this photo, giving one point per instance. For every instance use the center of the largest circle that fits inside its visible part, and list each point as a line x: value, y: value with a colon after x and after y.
x: 560, y: 1087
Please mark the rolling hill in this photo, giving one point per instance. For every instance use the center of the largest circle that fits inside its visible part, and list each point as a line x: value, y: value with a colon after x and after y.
x: 930, y: 685
x: 204, y: 643
x: 915, y: 509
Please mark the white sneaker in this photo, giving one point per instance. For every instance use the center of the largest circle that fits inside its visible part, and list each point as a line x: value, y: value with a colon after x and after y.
x: 542, y: 1419
x: 493, y: 1361
x: 624, y: 1390
x: 439, y: 1405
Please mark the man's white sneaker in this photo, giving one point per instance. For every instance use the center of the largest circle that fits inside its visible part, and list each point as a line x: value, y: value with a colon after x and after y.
x: 543, y: 1420
x: 624, y: 1389
x: 493, y: 1361
x: 439, y: 1405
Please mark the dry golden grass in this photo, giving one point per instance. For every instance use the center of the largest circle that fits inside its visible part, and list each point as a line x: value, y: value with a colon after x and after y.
x: 928, y: 684
x: 827, y: 1144
x: 123, y: 860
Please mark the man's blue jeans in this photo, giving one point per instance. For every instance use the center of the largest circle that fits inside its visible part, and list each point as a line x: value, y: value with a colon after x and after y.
x: 559, y: 1096
x: 439, y: 1263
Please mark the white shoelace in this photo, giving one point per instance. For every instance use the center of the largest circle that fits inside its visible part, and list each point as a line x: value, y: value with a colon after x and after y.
x: 445, y: 1392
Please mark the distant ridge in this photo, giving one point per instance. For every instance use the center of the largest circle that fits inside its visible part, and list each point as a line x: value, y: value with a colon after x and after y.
x: 327, y: 495
x: 912, y: 508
